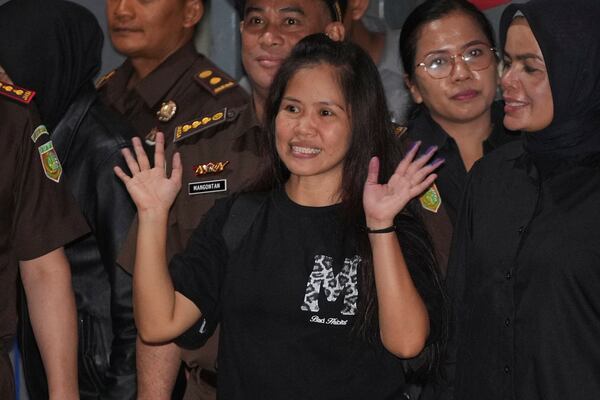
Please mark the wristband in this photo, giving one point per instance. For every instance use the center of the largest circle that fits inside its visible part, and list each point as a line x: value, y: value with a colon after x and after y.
x: 389, y: 229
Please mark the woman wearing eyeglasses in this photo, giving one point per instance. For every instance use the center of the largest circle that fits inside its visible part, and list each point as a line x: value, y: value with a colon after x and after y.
x: 450, y: 63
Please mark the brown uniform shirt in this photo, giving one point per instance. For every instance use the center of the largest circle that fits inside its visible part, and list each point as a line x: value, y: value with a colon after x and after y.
x: 38, y: 213
x: 214, y: 129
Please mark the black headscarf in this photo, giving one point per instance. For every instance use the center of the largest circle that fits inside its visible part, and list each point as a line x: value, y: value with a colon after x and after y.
x: 568, y: 33
x: 51, y: 46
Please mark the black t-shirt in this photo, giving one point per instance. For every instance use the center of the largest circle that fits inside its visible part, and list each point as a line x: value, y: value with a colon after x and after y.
x: 286, y: 299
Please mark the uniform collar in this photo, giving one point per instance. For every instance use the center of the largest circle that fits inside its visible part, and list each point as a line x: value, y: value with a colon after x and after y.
x: 155, y: 86
x: 428, y: 130
x: 432, y: 133
x: 247, y: 118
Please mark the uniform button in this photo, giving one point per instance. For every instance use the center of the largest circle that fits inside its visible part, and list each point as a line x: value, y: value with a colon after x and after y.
x: 507, y: 322
x: 506, y: 369
x: 521, y: 230
x: 508, y: 275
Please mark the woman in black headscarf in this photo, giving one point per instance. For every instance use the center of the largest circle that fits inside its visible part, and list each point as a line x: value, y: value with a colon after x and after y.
x: 54, y: 47
x: 525, y: 270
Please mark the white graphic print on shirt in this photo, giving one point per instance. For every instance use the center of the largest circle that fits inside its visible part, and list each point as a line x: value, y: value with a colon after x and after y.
x: 345, y: 282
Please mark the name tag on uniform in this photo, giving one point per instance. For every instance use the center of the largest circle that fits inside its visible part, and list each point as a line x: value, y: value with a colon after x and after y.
x: 204, y: 187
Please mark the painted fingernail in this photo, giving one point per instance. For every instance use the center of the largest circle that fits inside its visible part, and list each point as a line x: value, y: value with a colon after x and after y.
x: 431, y: 149
x: 438, y: 160
x: 414, y: 145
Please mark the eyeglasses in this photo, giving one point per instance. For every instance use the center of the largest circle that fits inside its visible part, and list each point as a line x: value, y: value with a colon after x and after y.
x: 440, y: 65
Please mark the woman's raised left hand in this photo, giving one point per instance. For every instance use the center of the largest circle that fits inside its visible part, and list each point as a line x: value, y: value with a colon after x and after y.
x: 382, y: 202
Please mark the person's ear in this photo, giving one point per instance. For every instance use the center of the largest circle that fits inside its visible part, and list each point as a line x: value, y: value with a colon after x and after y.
x: 193, y: 12
x: 415, y: 92
x: 356, y: 9
x: 335, y: 31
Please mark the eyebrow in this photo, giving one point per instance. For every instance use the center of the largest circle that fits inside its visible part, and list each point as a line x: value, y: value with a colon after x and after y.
x: 463, y: 47
x: 524, y: 56
x: 324, y: 102
x: 283, y: 10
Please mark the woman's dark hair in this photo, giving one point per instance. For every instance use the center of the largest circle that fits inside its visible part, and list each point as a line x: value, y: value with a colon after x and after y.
x: 372, y: 134
x: 432, y: 10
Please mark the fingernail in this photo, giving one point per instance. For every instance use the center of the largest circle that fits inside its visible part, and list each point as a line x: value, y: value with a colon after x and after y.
x: 438, y: 160
x: 431, y: 149
x: 414, y: 145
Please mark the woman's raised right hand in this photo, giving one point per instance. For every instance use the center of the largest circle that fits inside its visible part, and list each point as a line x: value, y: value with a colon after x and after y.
x: 150, y: 188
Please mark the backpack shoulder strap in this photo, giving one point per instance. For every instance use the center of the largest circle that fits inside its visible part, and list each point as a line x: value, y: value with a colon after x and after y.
x: 240, y: 219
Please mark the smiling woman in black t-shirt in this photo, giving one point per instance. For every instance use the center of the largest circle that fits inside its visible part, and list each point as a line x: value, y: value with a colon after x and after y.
x: 334, y: 281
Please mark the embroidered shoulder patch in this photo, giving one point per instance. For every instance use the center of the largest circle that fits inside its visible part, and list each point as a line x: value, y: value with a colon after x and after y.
x: 38, y: 132
x: 200, y: 124
x: 50, y: 161
x: 17, y: 93
x: 105, y: 78
x: 431, y: 199
x: 214, y: 81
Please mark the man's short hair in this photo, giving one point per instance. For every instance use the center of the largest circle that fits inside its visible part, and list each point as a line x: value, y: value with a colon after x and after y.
x: 337, y: 8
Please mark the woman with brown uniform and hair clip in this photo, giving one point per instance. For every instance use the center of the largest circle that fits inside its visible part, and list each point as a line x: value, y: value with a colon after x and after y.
x: 451, y: 70
x: 525, y: 272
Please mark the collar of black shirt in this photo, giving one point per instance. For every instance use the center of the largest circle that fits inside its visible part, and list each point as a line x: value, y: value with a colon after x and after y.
x: 434, y: 135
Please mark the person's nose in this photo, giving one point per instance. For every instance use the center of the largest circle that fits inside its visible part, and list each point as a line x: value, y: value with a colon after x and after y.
x: 305, y: 126
x: 509, y: 80
x: 271, y: 36
x: 460, y: 69
x: 123, y: 9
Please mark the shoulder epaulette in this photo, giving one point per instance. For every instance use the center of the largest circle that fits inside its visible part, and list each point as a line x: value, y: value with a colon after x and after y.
x: 105, y: 78
x: 214, y: 80
x: 17, y: 93
x: 399, y: 130
x: 200, y: 124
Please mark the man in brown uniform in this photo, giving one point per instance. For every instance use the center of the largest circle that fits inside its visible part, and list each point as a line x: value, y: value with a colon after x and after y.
x: 38, y: 217
x: 165, y: 85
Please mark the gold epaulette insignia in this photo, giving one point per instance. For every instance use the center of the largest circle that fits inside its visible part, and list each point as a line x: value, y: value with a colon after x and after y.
x: 214, y: 81
x: 105, y: 78
x: 200, y: 124
x: 431, y: 200
x: 210, y: 168
x: 17, y: 93
x: 399, y: 130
